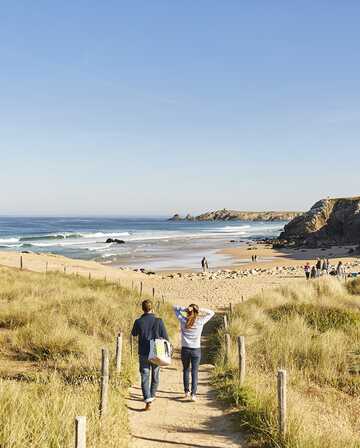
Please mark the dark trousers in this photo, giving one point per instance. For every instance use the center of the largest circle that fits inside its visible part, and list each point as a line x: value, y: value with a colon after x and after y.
x: 190, y: 356
x: 147, y: 369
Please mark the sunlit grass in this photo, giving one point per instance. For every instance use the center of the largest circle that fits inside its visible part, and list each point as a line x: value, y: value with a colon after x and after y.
x: 312, y: 330
x: 52, y: 329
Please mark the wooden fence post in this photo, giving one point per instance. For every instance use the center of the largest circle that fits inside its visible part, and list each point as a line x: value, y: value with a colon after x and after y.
x: 226, y: 324
x: 132, y: 285
x: 118, y: 353
x: 163, y: 299
x: 80, y: 432
x: 242, y: 299
x: 21, y: 262
x: 242, y: 358
x: 281, y: 391
x: 104, y: 381
x: 153, y: 293
x: 230, y: 308
x: 89, y: 275
x: 141, y: 289
x: 227, y: 347
x: 64, y: 269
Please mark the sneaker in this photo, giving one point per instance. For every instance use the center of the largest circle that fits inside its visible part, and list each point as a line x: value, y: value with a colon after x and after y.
x: 193, y: 398
x: 149, y: 400
x: 187, y: 395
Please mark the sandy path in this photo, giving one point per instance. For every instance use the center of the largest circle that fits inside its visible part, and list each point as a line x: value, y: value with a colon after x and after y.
x: 174, y: 421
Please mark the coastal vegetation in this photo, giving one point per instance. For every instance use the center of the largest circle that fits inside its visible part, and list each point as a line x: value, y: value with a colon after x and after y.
x: 312, y: 330
x: 52, y: 329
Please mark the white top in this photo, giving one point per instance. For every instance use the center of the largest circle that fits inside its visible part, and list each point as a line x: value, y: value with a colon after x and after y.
x: 191, y: 337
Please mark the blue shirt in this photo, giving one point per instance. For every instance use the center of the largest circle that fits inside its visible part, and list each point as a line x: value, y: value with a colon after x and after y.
x: 144, y: 328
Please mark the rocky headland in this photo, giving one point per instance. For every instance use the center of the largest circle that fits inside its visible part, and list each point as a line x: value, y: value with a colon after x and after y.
x: 234, y: 215
x: 328, y: 222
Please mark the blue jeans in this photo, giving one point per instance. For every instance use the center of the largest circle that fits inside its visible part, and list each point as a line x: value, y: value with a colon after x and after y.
x: 146, y: 368
x: 190, y: 356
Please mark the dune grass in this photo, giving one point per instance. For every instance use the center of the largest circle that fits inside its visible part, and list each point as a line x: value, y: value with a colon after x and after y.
x: 312, y: 330
x: 52, y: 329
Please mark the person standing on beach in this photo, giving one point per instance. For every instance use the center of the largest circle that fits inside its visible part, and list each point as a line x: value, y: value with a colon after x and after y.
x: 204, y: 264
x: 148, y: 327
x: 324, y: 267
x: 307, y: 270
x: 340, y: 270
x: 192, y: 320
x: 313, y: 272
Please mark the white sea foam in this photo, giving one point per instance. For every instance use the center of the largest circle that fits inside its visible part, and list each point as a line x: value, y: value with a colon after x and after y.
x: 104, y: 235
x: 99, y: 249
x: 9, y: 240
x: 10, y: 246
x: 54, y: 243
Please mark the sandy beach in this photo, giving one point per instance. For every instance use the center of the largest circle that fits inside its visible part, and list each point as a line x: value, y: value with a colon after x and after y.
x: 214, y: 289
x: 268, y: 257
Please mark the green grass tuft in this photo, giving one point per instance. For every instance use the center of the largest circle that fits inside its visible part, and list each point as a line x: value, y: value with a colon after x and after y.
x: 322, y: 318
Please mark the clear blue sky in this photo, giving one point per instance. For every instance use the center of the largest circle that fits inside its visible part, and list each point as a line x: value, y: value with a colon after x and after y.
x: 154, y: 107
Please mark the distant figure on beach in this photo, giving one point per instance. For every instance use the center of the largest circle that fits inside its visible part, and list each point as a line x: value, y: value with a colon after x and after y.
x: 318, y: 267
x: 148, y: 327
x: 324, y: 267
x: 313, y: 272
x: 204, y: 264
x: 340, y: 270
x: 307, y: 270
x: 192, y: 320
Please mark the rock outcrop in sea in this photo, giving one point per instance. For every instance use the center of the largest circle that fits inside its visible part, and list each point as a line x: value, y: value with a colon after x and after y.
x: 234, y: 215
x: 329, y: 221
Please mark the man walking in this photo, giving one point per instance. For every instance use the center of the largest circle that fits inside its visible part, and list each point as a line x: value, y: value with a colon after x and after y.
x: 148, y: 327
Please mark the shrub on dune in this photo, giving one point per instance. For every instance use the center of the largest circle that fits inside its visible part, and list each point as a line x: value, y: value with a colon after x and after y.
x: 312, y: 330
x: 47, y: 337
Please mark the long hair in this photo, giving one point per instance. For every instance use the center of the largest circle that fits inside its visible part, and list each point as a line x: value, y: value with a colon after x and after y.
x: 192, y: 314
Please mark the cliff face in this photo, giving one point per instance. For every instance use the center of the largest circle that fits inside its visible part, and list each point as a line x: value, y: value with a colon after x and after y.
x: 229, y: 215
x: 330, y: 221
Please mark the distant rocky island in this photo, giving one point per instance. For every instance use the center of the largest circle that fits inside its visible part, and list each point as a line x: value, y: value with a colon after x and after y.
x: 235, y: 215
x: 328, y: 222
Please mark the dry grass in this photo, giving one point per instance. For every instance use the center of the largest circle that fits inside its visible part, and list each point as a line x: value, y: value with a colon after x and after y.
x: 52, y: 329
x: 312, y: 330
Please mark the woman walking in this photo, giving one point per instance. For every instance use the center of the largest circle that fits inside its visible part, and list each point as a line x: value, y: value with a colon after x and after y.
x: 192, y: 320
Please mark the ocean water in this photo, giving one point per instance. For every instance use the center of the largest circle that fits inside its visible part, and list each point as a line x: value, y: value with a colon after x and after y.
x: 151, y: 243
